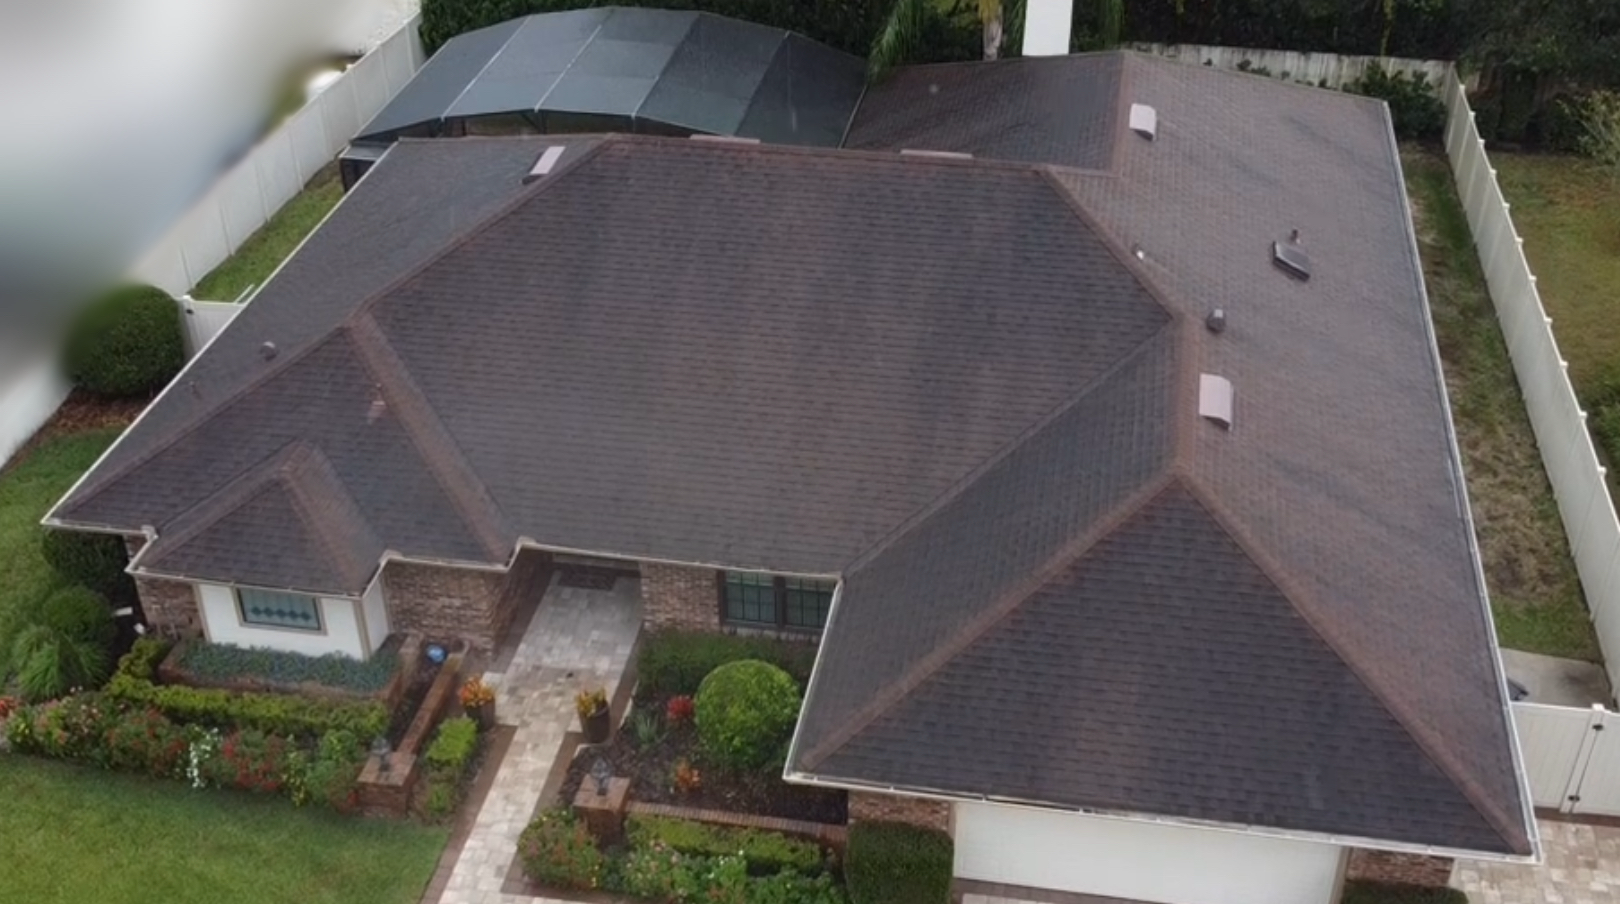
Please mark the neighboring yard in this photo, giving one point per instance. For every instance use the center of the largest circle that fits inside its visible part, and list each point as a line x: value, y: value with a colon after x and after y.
x: 71, y: 834
x: 265, y: 249
x: 1535, y: 593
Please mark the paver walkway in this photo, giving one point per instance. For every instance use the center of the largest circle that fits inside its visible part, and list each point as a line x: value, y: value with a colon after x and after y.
x: 1582, y: 867
x: 578, y: 639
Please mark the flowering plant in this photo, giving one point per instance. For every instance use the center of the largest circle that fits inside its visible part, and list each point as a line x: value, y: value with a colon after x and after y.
x: 589, y: 703
x: 680, y: 708
x: 8, y: 705
x: 686, y: 777
x: 558, y: 850
x: 475, y: 693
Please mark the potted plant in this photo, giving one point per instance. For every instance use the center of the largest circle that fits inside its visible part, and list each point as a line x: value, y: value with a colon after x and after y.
x: 478, y: 699
x: 594, y: 716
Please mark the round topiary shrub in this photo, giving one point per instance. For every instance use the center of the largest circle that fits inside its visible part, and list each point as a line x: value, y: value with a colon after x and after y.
x: 93, y: 560
x: 128, y: 343
x: 744, y: 713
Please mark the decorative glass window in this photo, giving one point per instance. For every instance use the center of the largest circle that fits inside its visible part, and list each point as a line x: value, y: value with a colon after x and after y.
x: 768, y: 601
x: 279, y: 610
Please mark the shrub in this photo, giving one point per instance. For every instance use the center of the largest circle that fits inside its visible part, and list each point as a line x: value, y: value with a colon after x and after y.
x: 648, y: 730
x: 95, y: 561
x: 1558, y: 125
x: 453, y: 745
x: 675, y: 663
x: 69, y: 729
x: 661, y: 874
x: 439, y: 798
x: 143, y: 740
x: 1357, y: 892
x: 894, y: 863
x: 128, y: 343
x: 1414, y: 103
x: 281, y: 714
x: 58, y: 642
x: 557, y: 850
x: 745, y: 713
x: 794, y: 888
x: 331, y: 775
x: 765, y: 852
x: 220, y: 662
x: 251, y: 761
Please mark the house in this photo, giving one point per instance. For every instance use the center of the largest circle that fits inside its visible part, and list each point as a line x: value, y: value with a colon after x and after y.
x: 1087, y: 408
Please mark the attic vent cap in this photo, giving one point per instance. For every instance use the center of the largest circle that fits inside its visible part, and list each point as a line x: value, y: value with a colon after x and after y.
x: 951, y: 155
x: 1216, y: 321
x: 729, y: 139
x: 1290, y: 257
x: 1144, y: 121
x: 1215, y: 399
x: 267, y: 351
x: 544, y: 163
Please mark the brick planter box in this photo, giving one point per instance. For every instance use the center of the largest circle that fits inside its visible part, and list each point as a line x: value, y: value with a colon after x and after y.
x: 169, y: 671
x: 387, y: 792
x: 833, y: 837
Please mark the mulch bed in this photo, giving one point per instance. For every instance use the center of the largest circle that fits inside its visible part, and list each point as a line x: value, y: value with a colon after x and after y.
x: 651, y: 780
x: 82, y: 411
x: 416, y: 689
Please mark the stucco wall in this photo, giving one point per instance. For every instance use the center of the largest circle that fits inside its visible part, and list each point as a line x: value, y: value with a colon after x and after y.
x: 340, y: 632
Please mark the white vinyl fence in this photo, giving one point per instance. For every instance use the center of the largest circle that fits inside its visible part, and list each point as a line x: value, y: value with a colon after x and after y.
x: 29, y: 392
x: 1572, y: 757
x: 1315, y: 68
x: 1555, y: 413
x: 203, y: 320
x: 277, y: 168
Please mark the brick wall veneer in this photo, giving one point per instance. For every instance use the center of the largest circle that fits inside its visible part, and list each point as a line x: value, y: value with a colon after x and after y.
x: 170, y: 607
x: 1403, y: 869
x: 679, y: 597
x: 444, y: 603
x: 930, y: 814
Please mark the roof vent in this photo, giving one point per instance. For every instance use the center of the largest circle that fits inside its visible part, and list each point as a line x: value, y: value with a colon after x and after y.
x: 547, y: 159
x: 1144, y: 121
x: 1215, y: 399
x: 1216, y: 321
x: 378, y: 409
x: 954, y: 155
x: 730, y: 139
x: 1290, y: 257
x: 267, y: 351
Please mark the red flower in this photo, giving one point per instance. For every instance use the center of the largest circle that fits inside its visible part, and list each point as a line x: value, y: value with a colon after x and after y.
x: 680, y: 708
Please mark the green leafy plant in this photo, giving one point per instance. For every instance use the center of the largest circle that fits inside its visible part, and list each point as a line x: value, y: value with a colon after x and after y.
x: 94, y: 560
x: 795, y: 888
x: 329, y: 776
x: 895, y: 863
x: 221, y: 662
x: 589, y: 703
x: 745, y: 713
x: 143, y: 740
x: 1600, y: 140
x: 673, y: 663
x: 557, y: 850
x: 766, y: 853
x: 438, y: 800
x: 1357, y: 892
x: 127, y: 343
x: 55, y: 643
x: 453, y: 746
x: 1414, y: 103
x: 647, y: 728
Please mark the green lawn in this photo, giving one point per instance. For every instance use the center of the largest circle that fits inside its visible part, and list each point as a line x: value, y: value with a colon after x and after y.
x: 70, y: 834
x: 1535, y: 593
x: 1568, y: 212
x: 264, y: 250
x: 27, y: 491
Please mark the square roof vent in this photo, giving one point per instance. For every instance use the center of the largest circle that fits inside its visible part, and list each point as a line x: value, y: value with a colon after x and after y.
x: 1144, y: 121
x: 1290, y: 257
x: 548, y: 159
x: 1215, y: 399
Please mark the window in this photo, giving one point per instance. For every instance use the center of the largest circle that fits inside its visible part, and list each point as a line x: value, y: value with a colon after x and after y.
x: 769, y: 601
x: 279, y: 610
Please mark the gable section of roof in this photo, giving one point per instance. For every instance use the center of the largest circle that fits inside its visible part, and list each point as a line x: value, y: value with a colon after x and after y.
x: 1163, y: 672
x: 949, y: 576
x: 1066, y: 111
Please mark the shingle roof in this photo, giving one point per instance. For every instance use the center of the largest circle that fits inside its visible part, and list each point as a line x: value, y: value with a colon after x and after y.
x: 945, y: 381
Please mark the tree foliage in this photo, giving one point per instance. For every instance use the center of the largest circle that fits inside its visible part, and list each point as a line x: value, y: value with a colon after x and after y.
x: 1600, y: 116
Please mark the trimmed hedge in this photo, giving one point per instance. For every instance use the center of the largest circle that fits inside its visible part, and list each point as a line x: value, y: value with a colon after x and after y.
x: 94, y: 560
x: 895, y: 863
x: 767, y: 853
x: 129, y: 343
x: 674, y: 663
x: 745, y: 713
x: 1360, y: 892
x: 283, y: 714
x: 223, y: 661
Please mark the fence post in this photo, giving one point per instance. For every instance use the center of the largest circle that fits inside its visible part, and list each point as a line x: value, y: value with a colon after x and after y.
x: 1572, y: 790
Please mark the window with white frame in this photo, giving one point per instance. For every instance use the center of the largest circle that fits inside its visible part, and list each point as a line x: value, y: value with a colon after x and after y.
x: 275, y: 609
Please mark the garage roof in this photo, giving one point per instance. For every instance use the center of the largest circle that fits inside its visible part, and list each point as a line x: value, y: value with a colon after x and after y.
x: 635, y: 69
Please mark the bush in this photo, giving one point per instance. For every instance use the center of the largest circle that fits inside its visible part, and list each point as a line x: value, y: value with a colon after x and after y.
x: 1414, y: 103
x: 251, y: 761
x: 56, y: 643
x: 222, y: 662
x: 1558, y: 126
x: 331, y: 775
x: 144, y: 740
x: 674, y: 663
x: 745, y: 713
x: 126, y: 344
x: 95, y: 561
x: 281, y: 714
x: 557, y: 850
x: 793, y: 888
x: 894, y: 863
x: 453, y: 745
x: 1357, y: 892
x: 660, y: 874
x: 766, y: 853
